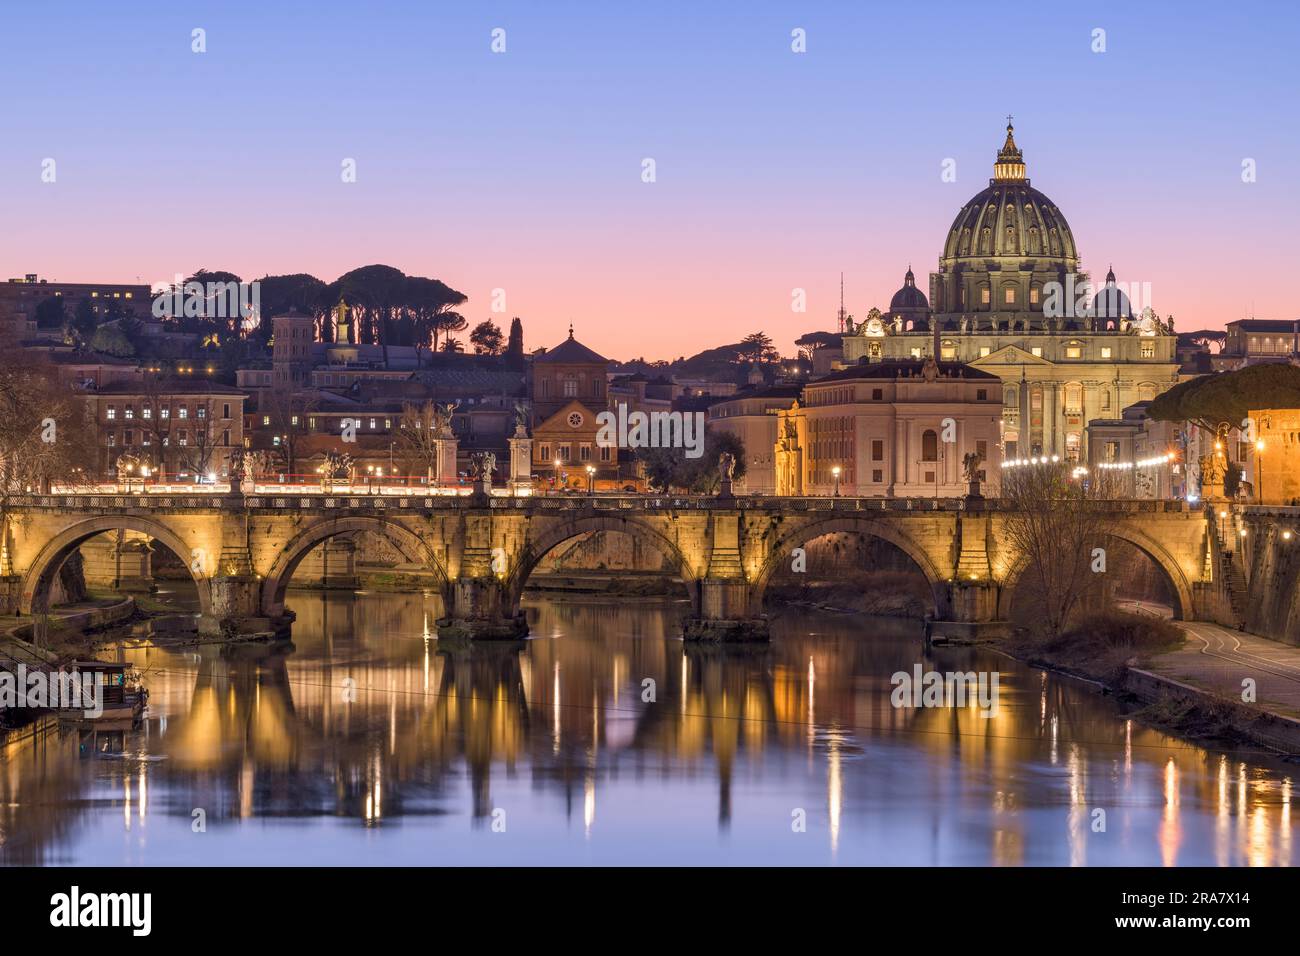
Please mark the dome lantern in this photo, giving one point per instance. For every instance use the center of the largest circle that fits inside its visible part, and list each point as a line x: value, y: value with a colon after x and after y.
x: 1010, y: 166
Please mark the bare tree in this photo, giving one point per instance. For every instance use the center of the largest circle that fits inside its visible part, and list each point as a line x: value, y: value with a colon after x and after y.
x: 420, y: 429
x: 1060, y: 524
x: 289, y: 413
x: 47, y: 439
x: 197, y: 444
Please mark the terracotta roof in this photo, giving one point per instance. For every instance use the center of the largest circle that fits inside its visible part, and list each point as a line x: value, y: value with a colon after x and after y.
x: 572, y: 352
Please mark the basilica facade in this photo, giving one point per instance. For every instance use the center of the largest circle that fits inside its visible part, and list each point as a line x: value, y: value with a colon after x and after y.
x: 1009, y: 298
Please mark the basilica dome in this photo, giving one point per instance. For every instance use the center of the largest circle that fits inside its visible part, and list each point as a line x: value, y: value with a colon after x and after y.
x: 1010, y: 219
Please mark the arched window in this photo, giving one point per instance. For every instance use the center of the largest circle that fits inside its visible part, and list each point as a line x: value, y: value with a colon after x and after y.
x: 929, y: 445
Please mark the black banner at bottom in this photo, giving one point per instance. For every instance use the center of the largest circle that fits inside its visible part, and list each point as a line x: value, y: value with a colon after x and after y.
x: 334, y: 905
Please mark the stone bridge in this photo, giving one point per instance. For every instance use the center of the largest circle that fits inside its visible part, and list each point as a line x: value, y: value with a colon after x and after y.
x: 242, y: 550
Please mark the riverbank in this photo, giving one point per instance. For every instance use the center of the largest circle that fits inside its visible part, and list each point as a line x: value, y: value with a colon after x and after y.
x: 1181, y: 686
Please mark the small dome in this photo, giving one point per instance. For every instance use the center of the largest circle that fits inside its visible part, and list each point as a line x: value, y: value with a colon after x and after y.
x: 1110, y: 302
x: 909, y: 298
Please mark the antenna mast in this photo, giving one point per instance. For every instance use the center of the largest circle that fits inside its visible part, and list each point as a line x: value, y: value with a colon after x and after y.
x: 842, y: 314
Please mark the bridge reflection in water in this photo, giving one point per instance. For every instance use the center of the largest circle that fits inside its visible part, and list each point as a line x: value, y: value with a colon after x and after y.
x: 371, y: 741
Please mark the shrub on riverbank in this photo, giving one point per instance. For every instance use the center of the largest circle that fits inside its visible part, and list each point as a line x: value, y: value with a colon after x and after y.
x: 1102, y: 645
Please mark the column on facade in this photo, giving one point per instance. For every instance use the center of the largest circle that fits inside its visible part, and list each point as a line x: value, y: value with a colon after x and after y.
x: 1049, y: 418
x: 1025, y: 443
x: 900, y: 453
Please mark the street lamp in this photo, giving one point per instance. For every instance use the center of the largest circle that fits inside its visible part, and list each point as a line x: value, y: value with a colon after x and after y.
x: 591, y: 480
x: 379, y: 481
x: 555, y: 484
x: 836, y: 472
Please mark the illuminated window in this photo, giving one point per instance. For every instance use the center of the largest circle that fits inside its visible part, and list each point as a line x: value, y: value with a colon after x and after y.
x: 985, y: 350
x: 146, y: 412
x: 266, y: 419
x: 1105, y: 351
x: 1037, y: 351
x: 1148, y: 350
x: 1074, y: 351
x: 984, y: 295
x: 1010, y: 295
x: 110, y: 413
x: 182, y: 412
x: 1033, y: 295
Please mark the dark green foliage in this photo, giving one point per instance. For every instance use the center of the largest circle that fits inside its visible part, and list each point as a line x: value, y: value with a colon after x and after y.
x: 1228, y: 397
x: 668, y: 469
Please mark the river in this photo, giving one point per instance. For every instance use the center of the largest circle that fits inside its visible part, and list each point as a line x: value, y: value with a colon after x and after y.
x: 605, y: 739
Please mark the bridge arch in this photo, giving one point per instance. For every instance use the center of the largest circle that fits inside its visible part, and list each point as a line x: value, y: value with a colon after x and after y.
x: 1179, y: 586
x: 873, y: 526
x: 407, y: 542
x: 39, y: 577
x: 557, y: 532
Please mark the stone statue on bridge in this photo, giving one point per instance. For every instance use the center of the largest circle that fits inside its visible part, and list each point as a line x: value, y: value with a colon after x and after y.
x: 726, y: 466
x: 521, y: 420
x: 482, y: 465
x: 442, y: 415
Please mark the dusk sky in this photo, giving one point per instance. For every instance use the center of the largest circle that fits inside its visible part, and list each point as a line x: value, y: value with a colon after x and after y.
x: 523, y: 170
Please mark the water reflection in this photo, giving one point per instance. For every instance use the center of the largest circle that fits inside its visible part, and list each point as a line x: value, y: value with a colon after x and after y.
x: 606, y: 739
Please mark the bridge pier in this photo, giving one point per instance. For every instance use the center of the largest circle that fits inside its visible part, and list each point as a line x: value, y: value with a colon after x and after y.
x: 723, y: 605
x: 235, y: 610
x: 971, y: 613
x: 480, y: 609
